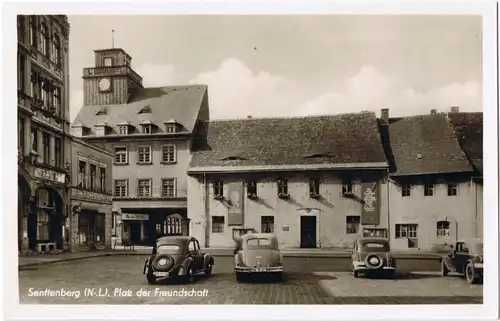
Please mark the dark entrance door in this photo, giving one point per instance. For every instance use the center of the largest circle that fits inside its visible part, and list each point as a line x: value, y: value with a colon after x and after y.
x: 135, y: 232
x: 308, y: 231
x: 32, y: 224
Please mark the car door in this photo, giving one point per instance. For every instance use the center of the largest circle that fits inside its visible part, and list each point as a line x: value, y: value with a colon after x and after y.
x: 194, y: 254
x: 200, y: 255
x: 460, y: 257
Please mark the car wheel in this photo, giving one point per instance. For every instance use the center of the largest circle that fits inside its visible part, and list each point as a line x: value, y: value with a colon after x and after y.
x: 190, y: 276
x: 444, y: 269
x: 208, y: 271
x: 470, y: 274
x: 356, y: 274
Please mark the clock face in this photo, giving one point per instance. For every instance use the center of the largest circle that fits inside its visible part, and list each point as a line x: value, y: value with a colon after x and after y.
x: 104, y: 84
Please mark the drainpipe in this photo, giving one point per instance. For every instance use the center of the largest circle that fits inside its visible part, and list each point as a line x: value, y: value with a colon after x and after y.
x: 207, y: 217
x: 475, y: 220
x: 388, y: 209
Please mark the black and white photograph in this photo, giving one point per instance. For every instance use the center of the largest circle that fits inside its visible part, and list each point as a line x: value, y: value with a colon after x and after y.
x: 261, y: 157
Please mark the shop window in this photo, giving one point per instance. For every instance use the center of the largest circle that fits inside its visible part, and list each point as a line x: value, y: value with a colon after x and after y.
x: 217, y: 224
x: 443, y: 228
x: 352, y: 224
x: 267, y: 224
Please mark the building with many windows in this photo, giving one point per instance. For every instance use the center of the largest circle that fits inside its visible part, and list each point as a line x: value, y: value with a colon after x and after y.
x: 149, y: 131
x: 90, y: 197
x: 43, y: 132
x: 313, y: 181
x: 435, y: 189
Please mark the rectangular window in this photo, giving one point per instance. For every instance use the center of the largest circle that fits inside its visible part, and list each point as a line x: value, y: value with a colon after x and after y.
x: 452, y: 189
x: 121, y: 155
x: 282, y: 186
x: 346, y: 187
x: 103, y: 180
x: 408, y: 231
x: 443, y: 228
x: 168, y: 154
x: 352, y: 223
x: 144, y: 187
x: 170, y: 128
x: 428, y: 189
x: 21, y: 72
x: 82, y: 174
x: 217, y: 224
x: 218, y: 188
x: 123, y: 130
x: 121, y: 188
x: 146, y: 129
x: 314, y: 186
x: 267, y: 224
x: 168, y: 188
x: 20, y: 136
x: 100, y: 130
x: 93, y: 177
x: 34, y: 139
x: 36, y: 85
x: 252, y: 188
x: 46, y: 148
x: 144, y: 154
x: 108, y: 61
x: 46, y: 92
x: 33, y: 31
x: 59, y: 152
x: 56, y: 100
x: 405, y: 190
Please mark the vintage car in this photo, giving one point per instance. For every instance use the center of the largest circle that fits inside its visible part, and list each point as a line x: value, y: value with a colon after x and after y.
x: 372, y: 255
x: 466, y: 258
x: 177, y: 256
x: 258, y: 253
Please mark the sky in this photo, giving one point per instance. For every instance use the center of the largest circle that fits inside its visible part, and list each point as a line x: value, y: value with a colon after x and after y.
x: 281, y: 66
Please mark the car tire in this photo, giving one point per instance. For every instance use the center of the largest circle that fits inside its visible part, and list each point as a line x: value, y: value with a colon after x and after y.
x: 150, y: 277
x: 356, y: 274
x: 208, y: 271
x: 444, y: 269
x: 470, y: 274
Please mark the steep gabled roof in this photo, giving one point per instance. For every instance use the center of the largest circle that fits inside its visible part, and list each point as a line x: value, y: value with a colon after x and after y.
x: 424, y: 144
x: 181, y: 103
x: 340, y: 139
x: 468, y: 128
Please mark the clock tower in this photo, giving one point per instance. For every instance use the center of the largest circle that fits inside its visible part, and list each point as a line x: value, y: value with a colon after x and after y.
x: 112, y: 78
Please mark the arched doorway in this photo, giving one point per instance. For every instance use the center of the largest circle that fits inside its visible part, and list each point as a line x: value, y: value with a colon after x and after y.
x: 23, y: 202
x: 46, y: 218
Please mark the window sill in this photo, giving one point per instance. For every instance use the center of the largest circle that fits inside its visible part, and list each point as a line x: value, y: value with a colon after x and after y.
x: 121, y: 164
x: 144, y: 163
x: 169, y: 163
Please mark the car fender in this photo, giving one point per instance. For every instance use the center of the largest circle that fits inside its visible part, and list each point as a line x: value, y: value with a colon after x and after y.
x: 146, y: 265
x: 184, y: 266
x: 207, y: 259
x: 448, y: 262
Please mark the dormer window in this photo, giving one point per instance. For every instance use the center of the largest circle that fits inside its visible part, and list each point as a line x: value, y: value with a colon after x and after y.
x: 100, y: 129
x: 146, y: 127
x: 123, y: 129
x: 171, y: 126
x: 102, y: 112
x: 79, y: 130
x: 108, y: 62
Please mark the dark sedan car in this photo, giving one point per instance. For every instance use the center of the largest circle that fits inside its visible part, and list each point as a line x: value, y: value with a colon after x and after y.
x: 466, y: 259
x: 258, y: 253
x: 177, y: 256
x: 372, y: 255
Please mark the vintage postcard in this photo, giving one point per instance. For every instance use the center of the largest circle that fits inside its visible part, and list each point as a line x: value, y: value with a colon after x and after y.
x: 273, y: 157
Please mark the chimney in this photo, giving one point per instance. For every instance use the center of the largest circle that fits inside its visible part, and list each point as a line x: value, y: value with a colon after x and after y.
x: 249, y: 116
x: 433, y: 111
x: 454, y: 109
x: 384, y: 116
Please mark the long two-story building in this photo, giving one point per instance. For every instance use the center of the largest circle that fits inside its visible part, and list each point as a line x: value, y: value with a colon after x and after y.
x: 435, y: 179
x: 149, y: 131
x: 313, y: 181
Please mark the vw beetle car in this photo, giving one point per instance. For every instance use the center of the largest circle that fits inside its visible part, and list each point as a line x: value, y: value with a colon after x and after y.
x: 372, y: 255
x: 177, y: 256
x: 466, y: 259
x: 258, y: 253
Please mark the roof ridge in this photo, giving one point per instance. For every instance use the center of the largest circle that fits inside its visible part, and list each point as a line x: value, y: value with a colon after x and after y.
x: 289, y: 117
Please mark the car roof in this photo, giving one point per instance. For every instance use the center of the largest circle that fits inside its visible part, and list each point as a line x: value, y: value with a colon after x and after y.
x: 363, y: 240
x: 258, y: 235
x: 472, y: 241
x: 174, y: 239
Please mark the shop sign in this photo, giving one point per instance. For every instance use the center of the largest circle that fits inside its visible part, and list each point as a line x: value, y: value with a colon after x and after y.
x: 50, y: 175
x: 90, y: 195
x: 135, y: 217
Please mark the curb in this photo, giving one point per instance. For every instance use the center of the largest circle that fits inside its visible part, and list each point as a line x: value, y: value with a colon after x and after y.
x: 20, y: 266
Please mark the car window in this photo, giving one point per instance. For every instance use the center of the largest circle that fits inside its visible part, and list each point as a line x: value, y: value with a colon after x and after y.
x: 465, y: 248
x: 191, y: 246
x: 375, y: 247
x: 196, y: 244
x: 168, y: 248
x: 260, y: 243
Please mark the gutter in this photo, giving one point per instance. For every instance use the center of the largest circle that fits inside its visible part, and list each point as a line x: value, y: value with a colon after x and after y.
x: 207, y: 218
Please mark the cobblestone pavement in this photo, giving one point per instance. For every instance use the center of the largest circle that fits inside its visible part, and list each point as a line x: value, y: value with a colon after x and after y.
x: 120, y: 281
